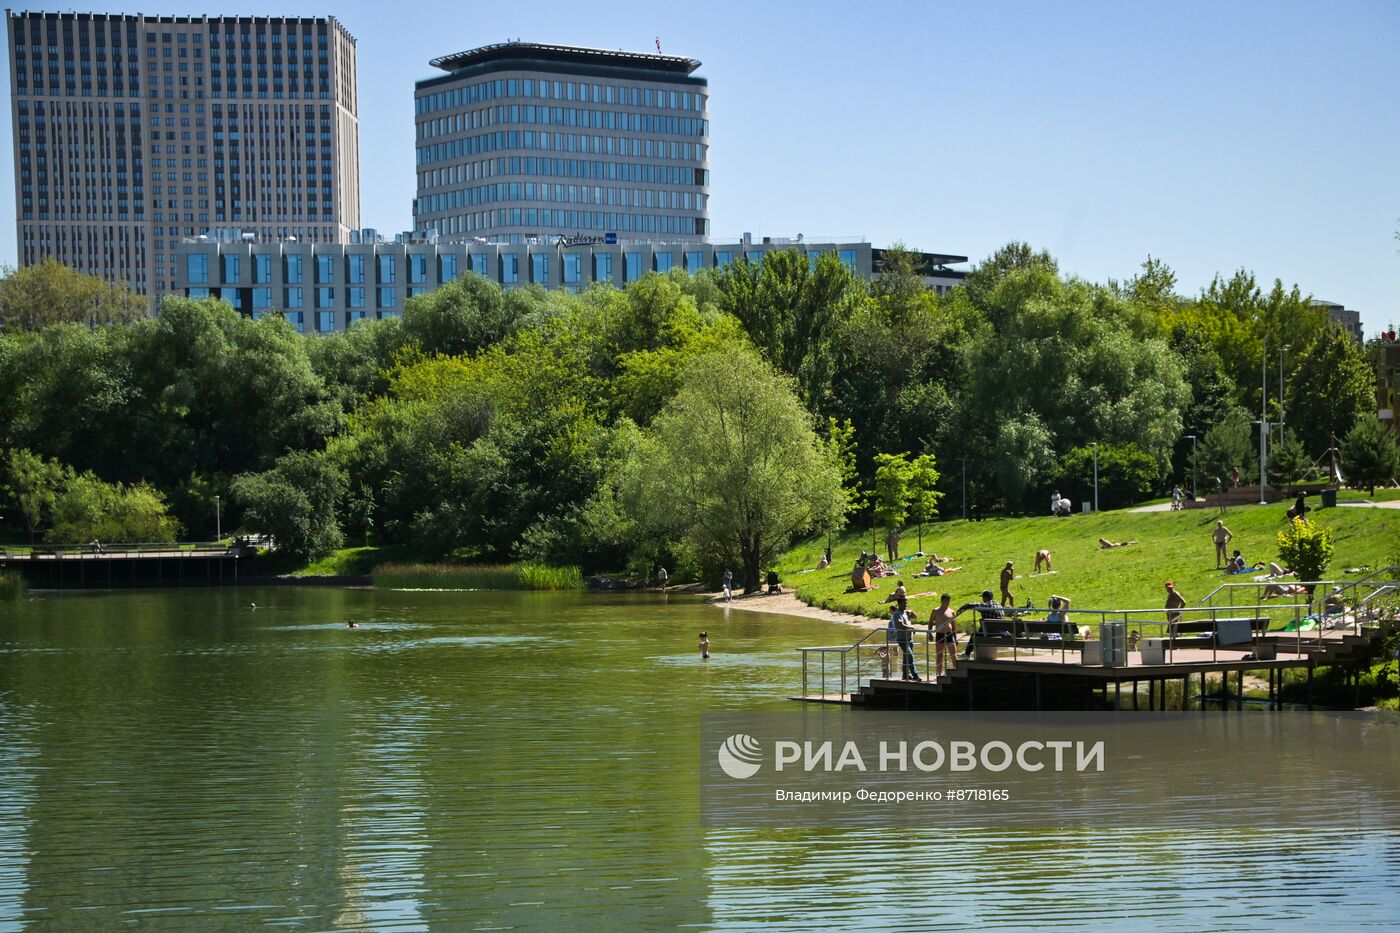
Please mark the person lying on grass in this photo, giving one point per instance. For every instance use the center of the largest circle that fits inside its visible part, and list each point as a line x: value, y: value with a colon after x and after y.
x: 934, y: 570
x: 1105, y: 544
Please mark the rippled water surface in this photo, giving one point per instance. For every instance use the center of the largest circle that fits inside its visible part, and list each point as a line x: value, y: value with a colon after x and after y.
x: 175, y: 760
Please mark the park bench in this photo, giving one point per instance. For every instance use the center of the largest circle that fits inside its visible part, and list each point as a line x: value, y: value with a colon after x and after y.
x: 1215, y: 633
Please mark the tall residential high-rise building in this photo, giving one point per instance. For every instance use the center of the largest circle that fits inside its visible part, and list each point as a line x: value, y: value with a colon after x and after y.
x: 521, y: 141
x: 132, y: 132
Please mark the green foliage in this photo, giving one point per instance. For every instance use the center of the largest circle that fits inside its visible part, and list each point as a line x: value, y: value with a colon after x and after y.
x: 33, y: 484
x: 731, y: 468
x: 460, y: 317
x: 89, y: 509
x: 48, y: 292
x: 1126, y: 475
x: 1333, y: 389
x: 477, y: 577
x: 1289, y: 463
x: 1306, y: 548
x: 893, y: 473
x: 793, y: 312
x: 12, y: 586
x: 1370, y: 455
x: 294, y: 502
x: 1224, y: 447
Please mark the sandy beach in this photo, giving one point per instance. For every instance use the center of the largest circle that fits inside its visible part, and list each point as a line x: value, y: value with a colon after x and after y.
x: 789, y: 605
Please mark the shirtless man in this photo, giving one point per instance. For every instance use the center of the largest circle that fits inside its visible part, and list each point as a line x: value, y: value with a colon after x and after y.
x: 1007, y: 573
x: 943, y: 632
x: 1174, y: 601
x: 1042, y: 555
x: 1221, y: 536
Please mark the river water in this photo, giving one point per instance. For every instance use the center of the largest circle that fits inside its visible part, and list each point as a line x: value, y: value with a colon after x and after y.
x: 489, y: 761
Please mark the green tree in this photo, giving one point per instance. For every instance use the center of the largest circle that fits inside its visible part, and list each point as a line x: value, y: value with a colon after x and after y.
x: 732, y: 467
x: 49, y: 292
x: 33, y: 484
x: 793, y: 312
x: 1306, y: 548
x: 924, y: 494
x: 294, y: 502
x: 88, y: 508
x: 1224, y: 447
x: 1126, y: 474
x: 460, y: 317
x: 893, y: 473
x: 1370, y: 455
x: 1333, y: 388
x: 1289, y: 463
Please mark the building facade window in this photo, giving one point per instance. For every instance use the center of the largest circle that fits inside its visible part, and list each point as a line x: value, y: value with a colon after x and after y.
x: 631, y: 267
x: 388, y: 269
x: 602, y: 267
x: 663, y: 262
x: 355, y: 296
x: 694, y: 261
x: 723, y: 258
x: 230, y: 269
x: 293, y: 298
x: 539, y: 268
x: 262, y: 299
x: 325, y: 321
x: 197, y: 269
x: 417, y: 269
x: 293, y: 270
x: 355, y: 269
x: 325, y: 297
x: 447, y: 268
x: 325, y: 270
x: 848, y: 258
x: 297, y: 319
x: 387, y: 298
x: 510, y: 268
x: 573, y: 268
x: 262, y: 269
x: 479, y: 265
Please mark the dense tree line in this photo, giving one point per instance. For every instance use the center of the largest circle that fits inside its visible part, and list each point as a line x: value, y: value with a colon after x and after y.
x: 702, y: 419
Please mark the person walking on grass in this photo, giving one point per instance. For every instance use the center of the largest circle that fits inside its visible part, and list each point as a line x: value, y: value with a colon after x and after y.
x: 1007, y: 575
x: 1221, y: 536
x: 892, y: 546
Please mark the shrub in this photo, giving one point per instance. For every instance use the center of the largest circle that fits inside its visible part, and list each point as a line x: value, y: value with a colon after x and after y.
x: 12, y: 586
x: 1306, y: 548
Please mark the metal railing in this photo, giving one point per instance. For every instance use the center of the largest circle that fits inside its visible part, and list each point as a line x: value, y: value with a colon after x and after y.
x: 117, y: 550
x: 1260, y: 630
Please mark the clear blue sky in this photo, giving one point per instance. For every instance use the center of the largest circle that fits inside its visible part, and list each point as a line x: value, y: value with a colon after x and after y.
x: 1212, y: 135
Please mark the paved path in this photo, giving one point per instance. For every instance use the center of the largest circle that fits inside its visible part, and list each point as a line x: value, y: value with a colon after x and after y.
x: 1387, y: 504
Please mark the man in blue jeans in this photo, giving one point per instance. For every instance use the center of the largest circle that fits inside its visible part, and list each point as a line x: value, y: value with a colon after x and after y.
x: 901, y: 630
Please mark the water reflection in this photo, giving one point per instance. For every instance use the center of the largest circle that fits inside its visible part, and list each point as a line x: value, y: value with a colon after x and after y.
x: 508, y: 761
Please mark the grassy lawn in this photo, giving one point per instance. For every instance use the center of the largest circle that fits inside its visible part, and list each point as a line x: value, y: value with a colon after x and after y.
x: 349, y: 561
x: 1171, y: 546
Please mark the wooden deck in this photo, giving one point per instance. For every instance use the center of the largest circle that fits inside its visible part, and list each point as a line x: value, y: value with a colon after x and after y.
x: 124, y: 566
x: 1051, y: 678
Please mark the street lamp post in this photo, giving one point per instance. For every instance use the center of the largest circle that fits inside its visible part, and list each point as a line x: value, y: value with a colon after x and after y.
x: 1192, y: 438
x: 1263, y: 422
x: 218, y: 521
x: 1096, y: 475
x: 1280, y: 392
x: 964, y: 466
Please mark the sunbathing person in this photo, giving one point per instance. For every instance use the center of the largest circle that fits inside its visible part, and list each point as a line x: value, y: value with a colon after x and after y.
x: 1276, y: 571
x: 1105, y: 544
x: 934, y: 570
x: 1273, y: 590
x: 878, y: 568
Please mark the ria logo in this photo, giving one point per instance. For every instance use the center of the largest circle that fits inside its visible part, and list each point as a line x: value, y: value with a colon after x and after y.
x: 740, y: 756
